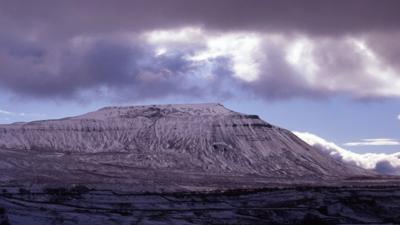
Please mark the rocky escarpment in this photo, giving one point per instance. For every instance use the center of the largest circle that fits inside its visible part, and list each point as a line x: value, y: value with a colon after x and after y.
x: 197, y: 138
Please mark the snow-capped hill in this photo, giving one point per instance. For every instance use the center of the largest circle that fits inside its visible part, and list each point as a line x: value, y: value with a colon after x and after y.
x: 199, y: 138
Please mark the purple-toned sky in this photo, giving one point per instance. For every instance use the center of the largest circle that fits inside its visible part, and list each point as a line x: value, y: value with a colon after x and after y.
x: 330, y: 68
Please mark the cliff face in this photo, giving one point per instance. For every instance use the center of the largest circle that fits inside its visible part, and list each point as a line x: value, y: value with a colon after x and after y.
x: 206, y: 138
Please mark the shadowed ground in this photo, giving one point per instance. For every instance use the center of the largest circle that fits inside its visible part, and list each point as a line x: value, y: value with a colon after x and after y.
x: 302, y: 205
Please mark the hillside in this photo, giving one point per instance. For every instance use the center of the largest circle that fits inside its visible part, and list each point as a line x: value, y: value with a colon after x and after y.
x: 185, y: 145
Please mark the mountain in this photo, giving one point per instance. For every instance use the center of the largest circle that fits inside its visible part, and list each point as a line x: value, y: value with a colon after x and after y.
x: 187, y: 145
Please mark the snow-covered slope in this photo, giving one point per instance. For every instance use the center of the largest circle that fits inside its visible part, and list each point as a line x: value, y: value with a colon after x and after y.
x: 195, y: 138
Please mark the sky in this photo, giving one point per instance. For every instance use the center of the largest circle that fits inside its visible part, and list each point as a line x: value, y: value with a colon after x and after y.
x: 326, y: 69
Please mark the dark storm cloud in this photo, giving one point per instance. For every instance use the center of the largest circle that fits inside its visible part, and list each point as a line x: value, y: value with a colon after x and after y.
x: 30, y: 73
x: 37, y: 57
x: 71, y: 17
x: 15, y: 47
x: 115, y: 65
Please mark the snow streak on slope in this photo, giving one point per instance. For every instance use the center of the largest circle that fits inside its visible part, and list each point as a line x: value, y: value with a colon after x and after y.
x: 197, y: 138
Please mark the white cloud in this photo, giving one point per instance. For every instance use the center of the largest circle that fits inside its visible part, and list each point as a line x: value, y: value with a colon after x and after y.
x: 380, y: 162
x: 5, y: 112
x: 242, y: 48
x: 398, y: 117
x: 185, y: 34
x: 316, y: 64
x: 299, y: 55
x: 8, y: 113
x: 374, y: 67
x: 374, y: 142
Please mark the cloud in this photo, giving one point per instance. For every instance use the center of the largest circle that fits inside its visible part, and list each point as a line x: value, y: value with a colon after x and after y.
x: 316, y: 67
x: 8, y: 113
x: 106, y: 67
x: 139, y: 49
x: 374, y: 142
x: 192, y: 62
x: 277, y: 66
x: 385, y: 167
x: 379, y: 162
x: 70, y: 17
x: 4, y: 112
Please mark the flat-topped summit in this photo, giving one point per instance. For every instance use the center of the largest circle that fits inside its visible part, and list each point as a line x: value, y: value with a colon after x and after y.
x: 216, y: 107
x: 201, y: 109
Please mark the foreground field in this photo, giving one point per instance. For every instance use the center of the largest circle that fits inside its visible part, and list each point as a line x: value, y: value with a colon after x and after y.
x: 301, y: 205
